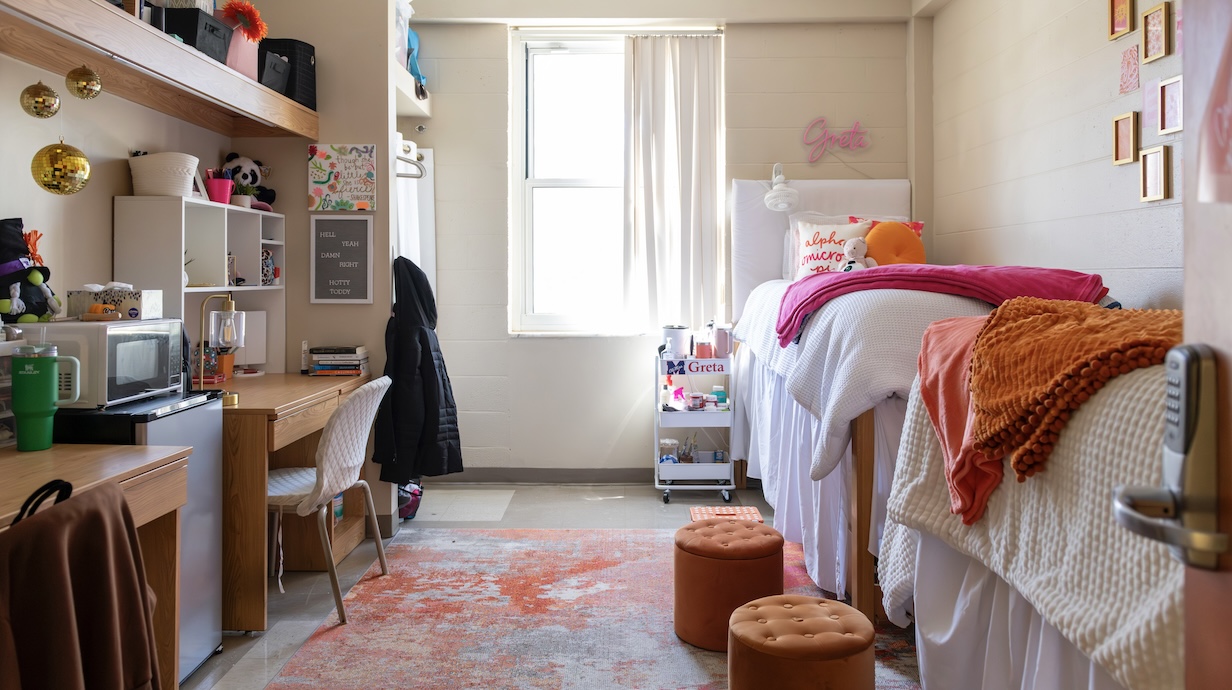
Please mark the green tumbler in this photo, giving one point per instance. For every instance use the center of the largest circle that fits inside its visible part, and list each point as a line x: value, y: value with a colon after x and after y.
x: 36, y: 392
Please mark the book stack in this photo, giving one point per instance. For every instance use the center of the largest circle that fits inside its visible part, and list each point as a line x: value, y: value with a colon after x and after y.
x: 339, y: 360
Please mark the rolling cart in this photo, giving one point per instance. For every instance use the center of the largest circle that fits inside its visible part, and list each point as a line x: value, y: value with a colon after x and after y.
x: 691, y: 476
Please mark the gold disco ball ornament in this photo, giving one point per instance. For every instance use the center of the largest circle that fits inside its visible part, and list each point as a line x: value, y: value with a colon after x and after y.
x: 60, y: 168
x: 84, y: 82
x: 40, y: 100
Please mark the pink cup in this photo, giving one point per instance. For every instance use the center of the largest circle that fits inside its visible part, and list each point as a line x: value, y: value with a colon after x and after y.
x: 219, y: 189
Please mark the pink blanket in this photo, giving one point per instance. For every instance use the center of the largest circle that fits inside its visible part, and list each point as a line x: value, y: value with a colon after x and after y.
x: 993, y: 284
x: 945, y: 368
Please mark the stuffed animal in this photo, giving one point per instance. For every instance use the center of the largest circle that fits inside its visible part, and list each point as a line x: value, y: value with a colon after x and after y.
x: 23, y: 277
x: 245, y: 170
x: 855, y: 249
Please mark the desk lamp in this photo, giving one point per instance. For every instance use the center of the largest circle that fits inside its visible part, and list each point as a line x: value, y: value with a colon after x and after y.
x: 226, y: 333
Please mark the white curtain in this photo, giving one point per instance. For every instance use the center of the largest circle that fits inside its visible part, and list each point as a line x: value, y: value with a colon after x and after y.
x: 673, y: 210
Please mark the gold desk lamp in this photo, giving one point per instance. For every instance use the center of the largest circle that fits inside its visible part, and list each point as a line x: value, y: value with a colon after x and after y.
x: 226, y: 334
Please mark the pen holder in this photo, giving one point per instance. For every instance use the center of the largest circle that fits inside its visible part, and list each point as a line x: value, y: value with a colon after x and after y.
x: 219, y: 189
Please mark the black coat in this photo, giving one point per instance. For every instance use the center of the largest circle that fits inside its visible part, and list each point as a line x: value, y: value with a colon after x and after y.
x: 417, y: 425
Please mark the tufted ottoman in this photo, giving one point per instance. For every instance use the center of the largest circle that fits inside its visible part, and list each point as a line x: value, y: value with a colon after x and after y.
x: 791, y: 641
x: 720, y: 564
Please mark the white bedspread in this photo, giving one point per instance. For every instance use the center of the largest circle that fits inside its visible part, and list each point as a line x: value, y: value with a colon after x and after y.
x: 1114, y: 595
x: 854, y: 352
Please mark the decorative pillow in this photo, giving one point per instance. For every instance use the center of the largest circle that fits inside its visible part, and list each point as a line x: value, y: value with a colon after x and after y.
x: 791, y: 245
x: 894, y: 243
x: 821, y: 246
x: 915, y: 225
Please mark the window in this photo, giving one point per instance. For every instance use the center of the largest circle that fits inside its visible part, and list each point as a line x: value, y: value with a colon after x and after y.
x: 567, y: 189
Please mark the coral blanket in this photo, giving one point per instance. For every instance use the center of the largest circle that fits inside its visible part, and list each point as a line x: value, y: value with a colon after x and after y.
x: 945, y: 363
x: 993, y: 284
x: 1037, y: 360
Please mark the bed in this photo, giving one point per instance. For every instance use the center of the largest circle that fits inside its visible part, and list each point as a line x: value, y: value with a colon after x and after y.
x: 819, y: 420
x: 1045, y: 590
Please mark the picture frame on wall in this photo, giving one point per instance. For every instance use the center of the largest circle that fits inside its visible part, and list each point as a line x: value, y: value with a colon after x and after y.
x: 1155, y: 35
x: 1120, y: 18
x: 340, y: 271
x: 1171, y: 105
x: 1125, y: 138
x: 1154, y: 174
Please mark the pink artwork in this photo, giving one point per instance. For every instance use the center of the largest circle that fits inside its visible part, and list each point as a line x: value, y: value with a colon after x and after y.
x: 822, y: 139
x: 1129, y: 70
x: 1171, y: 101
x: 1178, y: 29
x: 1150, y: 103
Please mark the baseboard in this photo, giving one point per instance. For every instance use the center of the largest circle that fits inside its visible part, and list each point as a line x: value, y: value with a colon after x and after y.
x: 546, y: 475
x: 389, y: 524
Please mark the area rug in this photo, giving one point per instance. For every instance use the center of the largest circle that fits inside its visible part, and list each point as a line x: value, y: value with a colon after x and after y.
x: 559, y: 609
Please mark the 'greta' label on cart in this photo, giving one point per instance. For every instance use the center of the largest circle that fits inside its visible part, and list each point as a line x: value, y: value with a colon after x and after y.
x: 694, y: 366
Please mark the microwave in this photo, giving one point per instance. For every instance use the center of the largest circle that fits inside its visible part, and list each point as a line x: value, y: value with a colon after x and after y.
x: 121, y: 361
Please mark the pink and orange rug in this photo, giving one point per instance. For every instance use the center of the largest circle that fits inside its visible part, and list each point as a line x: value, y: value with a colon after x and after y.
x: 588, y: 609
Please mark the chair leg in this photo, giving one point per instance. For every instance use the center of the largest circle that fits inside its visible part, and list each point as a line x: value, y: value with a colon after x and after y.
x: 372, y: 524
x: 326, y: 513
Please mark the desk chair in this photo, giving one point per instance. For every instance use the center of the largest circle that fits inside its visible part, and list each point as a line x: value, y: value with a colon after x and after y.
x: 340, y: 457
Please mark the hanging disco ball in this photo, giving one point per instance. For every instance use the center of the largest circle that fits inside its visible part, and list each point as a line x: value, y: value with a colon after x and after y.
x: 61, y: 169
x: 40, y: 100
x: 84, y: 82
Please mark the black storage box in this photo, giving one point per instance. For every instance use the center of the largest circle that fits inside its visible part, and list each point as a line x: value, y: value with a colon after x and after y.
x: 302, y: 77
x: 274, y: 72
x: 200, y: 30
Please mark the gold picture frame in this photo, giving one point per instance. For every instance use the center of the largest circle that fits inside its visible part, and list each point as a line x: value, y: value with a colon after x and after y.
x: 1171, y: 105
x: 1155, y: 173
x: 1156, y: 38
x: 1125, y: 138
x: 1120, y: 18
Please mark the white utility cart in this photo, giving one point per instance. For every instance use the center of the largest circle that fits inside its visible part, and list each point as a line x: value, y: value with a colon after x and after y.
x: 691, y: 476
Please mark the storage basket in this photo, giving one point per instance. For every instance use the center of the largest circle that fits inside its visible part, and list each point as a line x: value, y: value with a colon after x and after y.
x: 302, y: 77
x: 163, y: 174
x: 274, y: 72
x: 199, y: 30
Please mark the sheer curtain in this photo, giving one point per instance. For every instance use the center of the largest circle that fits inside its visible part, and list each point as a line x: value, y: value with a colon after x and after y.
x: 673, y: 216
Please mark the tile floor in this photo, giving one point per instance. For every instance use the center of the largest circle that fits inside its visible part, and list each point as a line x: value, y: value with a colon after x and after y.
x: 251, y: 661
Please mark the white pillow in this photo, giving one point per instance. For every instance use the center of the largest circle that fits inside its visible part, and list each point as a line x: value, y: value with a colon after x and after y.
x: 820, y: 247
x: 791, y: 245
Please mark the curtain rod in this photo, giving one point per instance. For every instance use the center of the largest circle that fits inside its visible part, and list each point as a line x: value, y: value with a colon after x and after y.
x: 617, y: 31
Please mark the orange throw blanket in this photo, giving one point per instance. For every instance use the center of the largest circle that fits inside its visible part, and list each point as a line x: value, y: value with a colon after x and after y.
x: 1036, y: 361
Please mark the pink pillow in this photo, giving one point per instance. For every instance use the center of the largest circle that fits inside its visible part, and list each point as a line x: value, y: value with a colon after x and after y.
x: 821, y: 246
x: 915, y: 225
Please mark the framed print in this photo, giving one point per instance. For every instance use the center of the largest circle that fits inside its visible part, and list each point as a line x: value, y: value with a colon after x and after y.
x: 1125, y: 138
x: 1120, y: 18
x: 1155, y: 42
x: 1154, y: 174
x: 1171, y: 105
x: 341, y: 266
x: 198, y: 185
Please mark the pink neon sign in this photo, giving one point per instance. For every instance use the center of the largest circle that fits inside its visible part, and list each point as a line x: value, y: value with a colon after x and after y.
x: 822, y: 139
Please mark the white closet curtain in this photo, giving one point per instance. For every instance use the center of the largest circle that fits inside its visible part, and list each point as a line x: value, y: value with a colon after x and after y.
x: 673, y: 194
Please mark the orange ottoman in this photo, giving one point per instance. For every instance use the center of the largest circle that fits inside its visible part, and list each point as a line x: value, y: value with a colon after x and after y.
x: 721, y: 564
x: 790, y: 641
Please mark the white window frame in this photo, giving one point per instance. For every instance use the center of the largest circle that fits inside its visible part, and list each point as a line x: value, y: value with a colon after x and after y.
x: 521, y: 186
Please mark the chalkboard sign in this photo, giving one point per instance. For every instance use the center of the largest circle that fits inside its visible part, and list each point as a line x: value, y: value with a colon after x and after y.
x: 341, y: 259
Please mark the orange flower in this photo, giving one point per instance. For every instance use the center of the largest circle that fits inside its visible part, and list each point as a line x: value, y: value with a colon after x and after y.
x: 248, y: 18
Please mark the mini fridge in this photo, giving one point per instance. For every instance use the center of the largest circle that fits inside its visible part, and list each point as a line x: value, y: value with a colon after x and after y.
x: 189, y: 419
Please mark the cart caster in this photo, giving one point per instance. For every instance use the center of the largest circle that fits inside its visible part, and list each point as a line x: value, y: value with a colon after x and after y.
x: 667, y: 496
x: 726, y: 495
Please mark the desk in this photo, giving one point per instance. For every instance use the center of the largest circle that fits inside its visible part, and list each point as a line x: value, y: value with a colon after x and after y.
x: 155, y: 484
x: 277, y: 423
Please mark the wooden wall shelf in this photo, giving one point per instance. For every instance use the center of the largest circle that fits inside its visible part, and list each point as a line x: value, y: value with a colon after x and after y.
x: 405, y: 102
x: 142, y: 64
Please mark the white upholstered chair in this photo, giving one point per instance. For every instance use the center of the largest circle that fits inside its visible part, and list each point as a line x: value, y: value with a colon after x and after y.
x: 340, y: 457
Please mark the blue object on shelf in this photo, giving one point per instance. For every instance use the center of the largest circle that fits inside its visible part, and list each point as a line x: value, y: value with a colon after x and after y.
x: 412, y: 55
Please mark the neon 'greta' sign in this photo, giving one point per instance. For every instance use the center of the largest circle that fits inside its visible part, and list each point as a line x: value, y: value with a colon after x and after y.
x: 819, y: 136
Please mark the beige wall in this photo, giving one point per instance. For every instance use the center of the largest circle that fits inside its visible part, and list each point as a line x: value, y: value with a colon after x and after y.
x: 1025, y: 93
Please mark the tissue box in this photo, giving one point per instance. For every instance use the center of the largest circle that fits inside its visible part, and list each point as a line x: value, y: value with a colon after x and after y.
x: 132, y: 304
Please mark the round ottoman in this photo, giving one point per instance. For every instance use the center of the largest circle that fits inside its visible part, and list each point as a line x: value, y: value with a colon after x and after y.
x: 720, y: 564
x: 791, y: 641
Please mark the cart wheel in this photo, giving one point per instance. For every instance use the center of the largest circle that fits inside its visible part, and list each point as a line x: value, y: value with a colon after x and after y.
x: 726, y: 495
x: 667, y: 496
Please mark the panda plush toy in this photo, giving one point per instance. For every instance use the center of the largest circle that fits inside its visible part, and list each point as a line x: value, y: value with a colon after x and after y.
x: 247, y: 171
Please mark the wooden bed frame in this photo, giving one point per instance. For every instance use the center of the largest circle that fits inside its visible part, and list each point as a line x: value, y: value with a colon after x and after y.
x: 757, y: 256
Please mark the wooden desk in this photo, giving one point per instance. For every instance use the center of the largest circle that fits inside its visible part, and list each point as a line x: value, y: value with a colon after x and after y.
x: 277, y: 424
x: 155, y: 483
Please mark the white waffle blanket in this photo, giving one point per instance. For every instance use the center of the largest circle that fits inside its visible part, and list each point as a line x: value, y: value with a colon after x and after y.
x: 1114, y: 595
x: 854, y: 352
